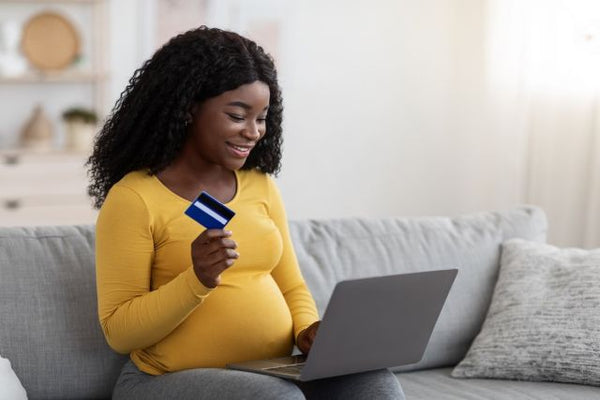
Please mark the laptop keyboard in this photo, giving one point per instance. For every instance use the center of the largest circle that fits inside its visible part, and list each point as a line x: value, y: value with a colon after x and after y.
x: 293, y: 369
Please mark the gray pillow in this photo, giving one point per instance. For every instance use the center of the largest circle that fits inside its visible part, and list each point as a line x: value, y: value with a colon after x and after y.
x: 544, y: 320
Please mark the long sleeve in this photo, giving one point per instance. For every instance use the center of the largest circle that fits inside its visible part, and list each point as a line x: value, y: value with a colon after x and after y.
x: 287, y: 273
x: 152, y: 305
x: 131, y: 315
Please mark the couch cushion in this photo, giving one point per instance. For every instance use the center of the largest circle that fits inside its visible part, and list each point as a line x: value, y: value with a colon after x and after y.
x: 332, y: 250
x: 439, y: 385
x: 543, y: 323
x: 48, y: 306
x: 48, y: 309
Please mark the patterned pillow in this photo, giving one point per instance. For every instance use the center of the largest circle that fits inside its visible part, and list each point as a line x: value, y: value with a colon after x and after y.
x: 543, y: 323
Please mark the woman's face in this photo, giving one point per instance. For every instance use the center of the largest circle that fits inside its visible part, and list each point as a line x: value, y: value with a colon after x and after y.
x: 225, y: 128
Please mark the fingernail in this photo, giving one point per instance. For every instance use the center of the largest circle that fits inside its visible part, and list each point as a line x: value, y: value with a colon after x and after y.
x: 228, y: 233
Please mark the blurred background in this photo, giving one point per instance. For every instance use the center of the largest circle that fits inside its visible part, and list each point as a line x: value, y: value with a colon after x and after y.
x: 392, y: 107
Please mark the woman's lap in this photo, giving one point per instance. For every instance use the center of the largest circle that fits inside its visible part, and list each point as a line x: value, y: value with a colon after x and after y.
x: 213, y: 383
x: 380, y: 384
x: 201, y: 384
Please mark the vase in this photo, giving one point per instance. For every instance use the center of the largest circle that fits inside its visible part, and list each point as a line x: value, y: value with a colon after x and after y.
x: 79, y: 136
x: 37, y: 133
x: 12, y: 62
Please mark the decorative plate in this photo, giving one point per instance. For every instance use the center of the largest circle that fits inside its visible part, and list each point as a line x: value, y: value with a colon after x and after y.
x: 50, y: 41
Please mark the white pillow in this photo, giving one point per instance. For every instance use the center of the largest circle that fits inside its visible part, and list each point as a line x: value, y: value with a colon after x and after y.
x: 10, y: 385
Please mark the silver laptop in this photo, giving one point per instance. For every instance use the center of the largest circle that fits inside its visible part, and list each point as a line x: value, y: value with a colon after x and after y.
x: 369, y: 324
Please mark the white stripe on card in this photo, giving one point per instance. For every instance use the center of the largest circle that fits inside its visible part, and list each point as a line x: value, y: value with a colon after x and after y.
x: 210, y: 212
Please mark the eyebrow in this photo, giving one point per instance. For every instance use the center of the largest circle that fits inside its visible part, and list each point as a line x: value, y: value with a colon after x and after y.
x: 243, y: 105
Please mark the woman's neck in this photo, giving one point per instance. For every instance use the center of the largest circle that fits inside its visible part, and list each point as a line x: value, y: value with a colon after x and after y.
x: 187, y: 179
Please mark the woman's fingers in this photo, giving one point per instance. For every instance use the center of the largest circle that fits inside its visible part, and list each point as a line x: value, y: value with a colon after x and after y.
x: 219, y: 245
x: 209, y: 235
x: 213, y: 252
x: 221, y: 255
x: 307, y: 337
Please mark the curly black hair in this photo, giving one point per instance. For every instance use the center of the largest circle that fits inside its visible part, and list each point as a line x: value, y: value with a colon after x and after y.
x: 148, y: 125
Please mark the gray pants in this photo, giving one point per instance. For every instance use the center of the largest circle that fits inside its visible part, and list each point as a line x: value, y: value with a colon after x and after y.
x: 222, y: 384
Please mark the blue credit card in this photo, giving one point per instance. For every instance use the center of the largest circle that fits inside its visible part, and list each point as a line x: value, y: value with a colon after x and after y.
x: 209, y: 212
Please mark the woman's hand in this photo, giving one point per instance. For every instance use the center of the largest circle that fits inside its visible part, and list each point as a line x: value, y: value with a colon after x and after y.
x: 212, y: 253
x: 307, y: 337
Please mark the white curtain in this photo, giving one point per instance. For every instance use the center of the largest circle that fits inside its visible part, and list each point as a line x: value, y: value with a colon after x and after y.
x: 543, y: 69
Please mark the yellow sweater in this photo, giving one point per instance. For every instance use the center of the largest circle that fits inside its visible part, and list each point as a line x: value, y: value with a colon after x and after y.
x: 152, y: 305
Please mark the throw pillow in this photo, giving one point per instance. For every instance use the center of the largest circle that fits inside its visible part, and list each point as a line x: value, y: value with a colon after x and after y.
x: 10, y: 386
x: 543, y: 323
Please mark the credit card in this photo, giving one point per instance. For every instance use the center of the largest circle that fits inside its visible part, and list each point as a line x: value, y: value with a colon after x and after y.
x: 209, y: 212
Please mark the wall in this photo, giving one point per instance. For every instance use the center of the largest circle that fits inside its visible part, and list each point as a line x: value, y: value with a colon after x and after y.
x: 386, y: 110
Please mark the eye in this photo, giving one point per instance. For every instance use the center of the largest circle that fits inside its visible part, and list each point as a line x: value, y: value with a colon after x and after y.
x: 235, y: 117
x: 262, y: 120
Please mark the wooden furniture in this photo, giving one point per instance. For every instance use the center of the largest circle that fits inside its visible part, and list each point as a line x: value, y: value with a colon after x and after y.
x: 51, y: 188
x: 44, y: 189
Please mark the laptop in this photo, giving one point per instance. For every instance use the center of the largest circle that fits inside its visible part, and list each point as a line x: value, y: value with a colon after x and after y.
x: 369, y: 324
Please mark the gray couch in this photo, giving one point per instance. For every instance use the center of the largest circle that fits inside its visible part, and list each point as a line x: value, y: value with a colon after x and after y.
x: 50, y: 333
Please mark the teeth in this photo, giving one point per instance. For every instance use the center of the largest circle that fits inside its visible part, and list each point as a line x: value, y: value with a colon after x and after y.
x: 242, y: 149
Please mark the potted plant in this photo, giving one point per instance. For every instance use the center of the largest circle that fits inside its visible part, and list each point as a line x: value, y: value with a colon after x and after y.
x: 81, y: 124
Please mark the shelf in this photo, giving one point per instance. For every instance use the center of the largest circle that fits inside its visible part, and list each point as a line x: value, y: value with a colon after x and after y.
x: 51, y: 1
x: 14, y: 156
x: 36, y: 215
x: 83, y: 82
x: 54, y: 77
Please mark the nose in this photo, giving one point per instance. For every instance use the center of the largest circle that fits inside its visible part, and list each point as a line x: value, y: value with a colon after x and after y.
x: 252, y: 131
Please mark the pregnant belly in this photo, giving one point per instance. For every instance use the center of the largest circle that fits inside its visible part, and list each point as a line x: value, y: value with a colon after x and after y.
x: 245, y: 320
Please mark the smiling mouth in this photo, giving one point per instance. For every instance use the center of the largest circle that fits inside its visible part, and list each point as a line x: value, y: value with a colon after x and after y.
x: 239, y: 151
